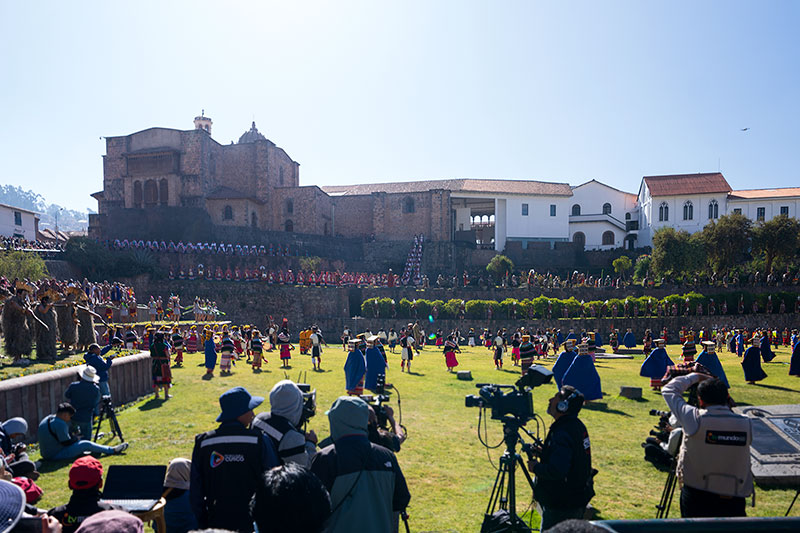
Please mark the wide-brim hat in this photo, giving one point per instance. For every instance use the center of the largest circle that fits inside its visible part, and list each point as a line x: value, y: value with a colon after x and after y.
x: 660, y: 342
x: 88, y: 373
x: 22, y: 286
x: 235, y: 402
x: 12, y: 503
x: 583, y: 349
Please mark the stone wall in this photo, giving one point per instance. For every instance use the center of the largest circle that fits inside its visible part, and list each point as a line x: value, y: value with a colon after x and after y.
x: 36, y: 396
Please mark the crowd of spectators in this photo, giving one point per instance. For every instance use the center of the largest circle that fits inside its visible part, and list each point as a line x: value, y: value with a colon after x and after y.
x: 19, y: 244
x: 271, y: 250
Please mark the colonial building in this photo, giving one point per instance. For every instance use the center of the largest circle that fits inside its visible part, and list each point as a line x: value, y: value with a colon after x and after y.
x: 18, y: 222
x: 170, y: 184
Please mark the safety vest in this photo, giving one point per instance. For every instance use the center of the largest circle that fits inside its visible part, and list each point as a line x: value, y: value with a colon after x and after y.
x: 717, y: 457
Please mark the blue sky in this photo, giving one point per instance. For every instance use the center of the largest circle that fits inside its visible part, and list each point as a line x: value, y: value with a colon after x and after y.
x: 368, y: 91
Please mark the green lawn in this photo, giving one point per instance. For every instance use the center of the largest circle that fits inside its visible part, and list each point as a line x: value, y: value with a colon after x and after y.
x: 448, y: 470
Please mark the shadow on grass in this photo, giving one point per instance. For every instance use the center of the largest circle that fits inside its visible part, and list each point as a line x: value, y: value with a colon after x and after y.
x: 152, y: 403
x: 603, y: 407
x: 49, y: 465
x: 414, y: 373
x: 775, y: 387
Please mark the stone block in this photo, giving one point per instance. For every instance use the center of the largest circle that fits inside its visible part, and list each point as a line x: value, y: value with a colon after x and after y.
x: 464, y: 375
x: 634, y: 393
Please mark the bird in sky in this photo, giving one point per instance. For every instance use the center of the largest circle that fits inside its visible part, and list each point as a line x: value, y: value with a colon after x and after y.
x: 744, y: 129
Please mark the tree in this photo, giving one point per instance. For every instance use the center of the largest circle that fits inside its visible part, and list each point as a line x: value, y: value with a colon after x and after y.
x: 676, y: 253
x: 499, y: 267
x: 777, y: 239
x: 621, y: 265
x: 727, y: 241
x: 642, y: 267
x: 22, y: 265
x: 310, y: 264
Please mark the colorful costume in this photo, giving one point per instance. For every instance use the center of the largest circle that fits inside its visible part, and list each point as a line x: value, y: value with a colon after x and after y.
x: 450, y: 355
x: 655, y: 365
x: 355, y: 368
x: 708, y: 358
x: 582, y: 375
x: 751, y: 364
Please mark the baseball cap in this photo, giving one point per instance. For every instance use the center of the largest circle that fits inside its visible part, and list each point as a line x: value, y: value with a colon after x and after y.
x: 85, y: 473
x: 236, y: 402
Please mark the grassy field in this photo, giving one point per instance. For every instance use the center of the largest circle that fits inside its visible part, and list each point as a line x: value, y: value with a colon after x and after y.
x: 449, y: 472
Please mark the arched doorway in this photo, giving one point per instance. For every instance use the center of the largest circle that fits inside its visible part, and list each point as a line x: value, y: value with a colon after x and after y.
x: 579, y: 239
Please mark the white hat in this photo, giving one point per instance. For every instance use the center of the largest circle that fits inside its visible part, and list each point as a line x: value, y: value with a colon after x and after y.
x: 88, y: 373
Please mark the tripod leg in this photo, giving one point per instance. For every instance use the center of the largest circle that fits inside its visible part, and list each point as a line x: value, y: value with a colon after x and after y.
x: 497, y: 489
x: 792, y: 504
x: 115, y: 425
x: 99, y: 422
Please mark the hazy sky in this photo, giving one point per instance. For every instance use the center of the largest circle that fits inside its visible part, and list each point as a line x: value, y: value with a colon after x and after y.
x: 365, y: 91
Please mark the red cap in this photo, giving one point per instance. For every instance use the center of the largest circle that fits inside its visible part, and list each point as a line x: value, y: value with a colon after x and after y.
x: 86, y: 473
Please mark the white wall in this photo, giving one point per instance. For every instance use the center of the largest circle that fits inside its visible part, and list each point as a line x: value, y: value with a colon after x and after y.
x: 594, y: 234
x: 592, y: 195
x: 9, y: 229
x: 772, y: 207
x: 649, y: 221
x: 463, y: 218
x: 499, y: 224
x: 538, y: 224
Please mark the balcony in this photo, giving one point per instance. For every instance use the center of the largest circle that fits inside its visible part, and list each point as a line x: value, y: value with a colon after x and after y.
x: 631, y: 225
x: 598, y: 217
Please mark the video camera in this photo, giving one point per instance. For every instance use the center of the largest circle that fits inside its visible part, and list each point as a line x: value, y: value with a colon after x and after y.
x: 663, y: 423
x: 517, y: 402
x: 309, y: 402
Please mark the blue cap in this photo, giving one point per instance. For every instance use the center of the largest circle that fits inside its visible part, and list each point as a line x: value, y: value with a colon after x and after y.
x: 236, y: 402
x: 12, y: 503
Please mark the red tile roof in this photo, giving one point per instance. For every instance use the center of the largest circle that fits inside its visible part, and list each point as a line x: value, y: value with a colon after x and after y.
x: 784, y: 192
x: 682, y: 184
x: 488, y: 186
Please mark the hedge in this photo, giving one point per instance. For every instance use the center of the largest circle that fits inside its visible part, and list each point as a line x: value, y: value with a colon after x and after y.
x: 544, y: 307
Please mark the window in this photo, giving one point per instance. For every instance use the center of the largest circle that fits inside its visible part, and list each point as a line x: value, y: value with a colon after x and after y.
x: 17, y: 218
x: 163, y: 192
x: 627, y: 216
x: 150, y: 192
x: 289, y: 206
x: 254, y: 219
x: 579, y: 239
x: 408, y: 205
x: 760, y: 212
x: 289, y: 226
x: 137, y: 194
x: 688, y: 211
x: 524, y: 210
x: 552, y: 210
x: 737, y: 211
x: 713, y: 210
x: 576, y: 210
x: 227, y: 213
x: 608, y: 238
x: 280, y: 172
x: 606, y: 208
x: 785, y: 210
x: 663, y: 212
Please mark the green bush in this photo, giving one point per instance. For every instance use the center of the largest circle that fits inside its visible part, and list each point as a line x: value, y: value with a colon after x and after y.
x: 22, y: 265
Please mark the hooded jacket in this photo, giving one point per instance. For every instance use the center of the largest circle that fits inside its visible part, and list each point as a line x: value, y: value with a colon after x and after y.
x: 280, y: 424
x: 364, y: 480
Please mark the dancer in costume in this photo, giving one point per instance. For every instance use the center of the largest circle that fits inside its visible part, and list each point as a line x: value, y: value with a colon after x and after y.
x: 376, y: 363
x: 564, y: 361
x: 210, y: 352
x: 86, y: 332
x: 286, y: 347
x: 177, y: 345
x: 159, y: 365
x: 655, y: 365
x: 226, y: 351
x: 527, y: 351
x: 355, y: 368
x: 497, y: 349
x: 629, y: 341
x: 751, y: 362
x: 68, y: 320
x: 257, y: 347
x: 406, y: 349
x: 46, y: 336
x: 18, y: 334
x: 613, y: 341
x: 392, y: 339
x: 450, y: 349
x: 582, y: 375
x: 708, y: 358
x: 689, y: 350
x: 317, y: 341
x: 766, y: 350
x: 794, y: 364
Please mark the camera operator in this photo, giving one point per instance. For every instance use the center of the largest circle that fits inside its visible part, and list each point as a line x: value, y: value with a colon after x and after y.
x: 282, y: 422
x: 563, y: 484
x: 390, y: 438
x: 714, y: 460
x: 94, y: 358
x: 662, y: 447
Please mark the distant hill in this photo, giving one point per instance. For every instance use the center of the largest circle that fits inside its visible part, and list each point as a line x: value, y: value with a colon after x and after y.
x: 68, y: 219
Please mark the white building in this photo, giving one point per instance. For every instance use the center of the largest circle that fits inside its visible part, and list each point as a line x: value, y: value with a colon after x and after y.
x: 18, y: 222
x: 600, y: 216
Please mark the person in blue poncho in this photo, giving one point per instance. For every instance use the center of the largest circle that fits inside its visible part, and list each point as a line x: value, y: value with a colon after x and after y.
x: 376, y: 363
x: 766, y: 350
x: 655, y: 365
x: 629, y: 340
x: 751, y: 362
x: 708, y: 358
x: 794, y: 365
x: 564, y: 361
x: 739, y: 343
x: 572, y: 335
x: 210, y: 353
x: 582, y: 375
x: 559, y: 338
x: 355, y: 368
x: 598, y: 340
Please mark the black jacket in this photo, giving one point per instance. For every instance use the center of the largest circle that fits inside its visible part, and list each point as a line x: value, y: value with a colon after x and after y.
x: 564, y: 475
x: 82, y: 504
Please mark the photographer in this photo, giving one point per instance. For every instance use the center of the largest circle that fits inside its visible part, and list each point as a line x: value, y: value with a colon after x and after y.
x: 563, y: 484
x: 94, y: 357
x: 714, y: 460
x: 662, y: 447
x: 282, y: 422
x: 57, y: 443
x: 390, y: 434
x: 84, y: 395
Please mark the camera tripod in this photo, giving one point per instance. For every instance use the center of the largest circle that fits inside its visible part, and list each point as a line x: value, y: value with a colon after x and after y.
x: 669, y: 490
x: 107, y: 411
x: 504, y: 493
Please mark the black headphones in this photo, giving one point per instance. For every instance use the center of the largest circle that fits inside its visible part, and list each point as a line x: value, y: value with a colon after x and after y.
x: 563, y: 405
